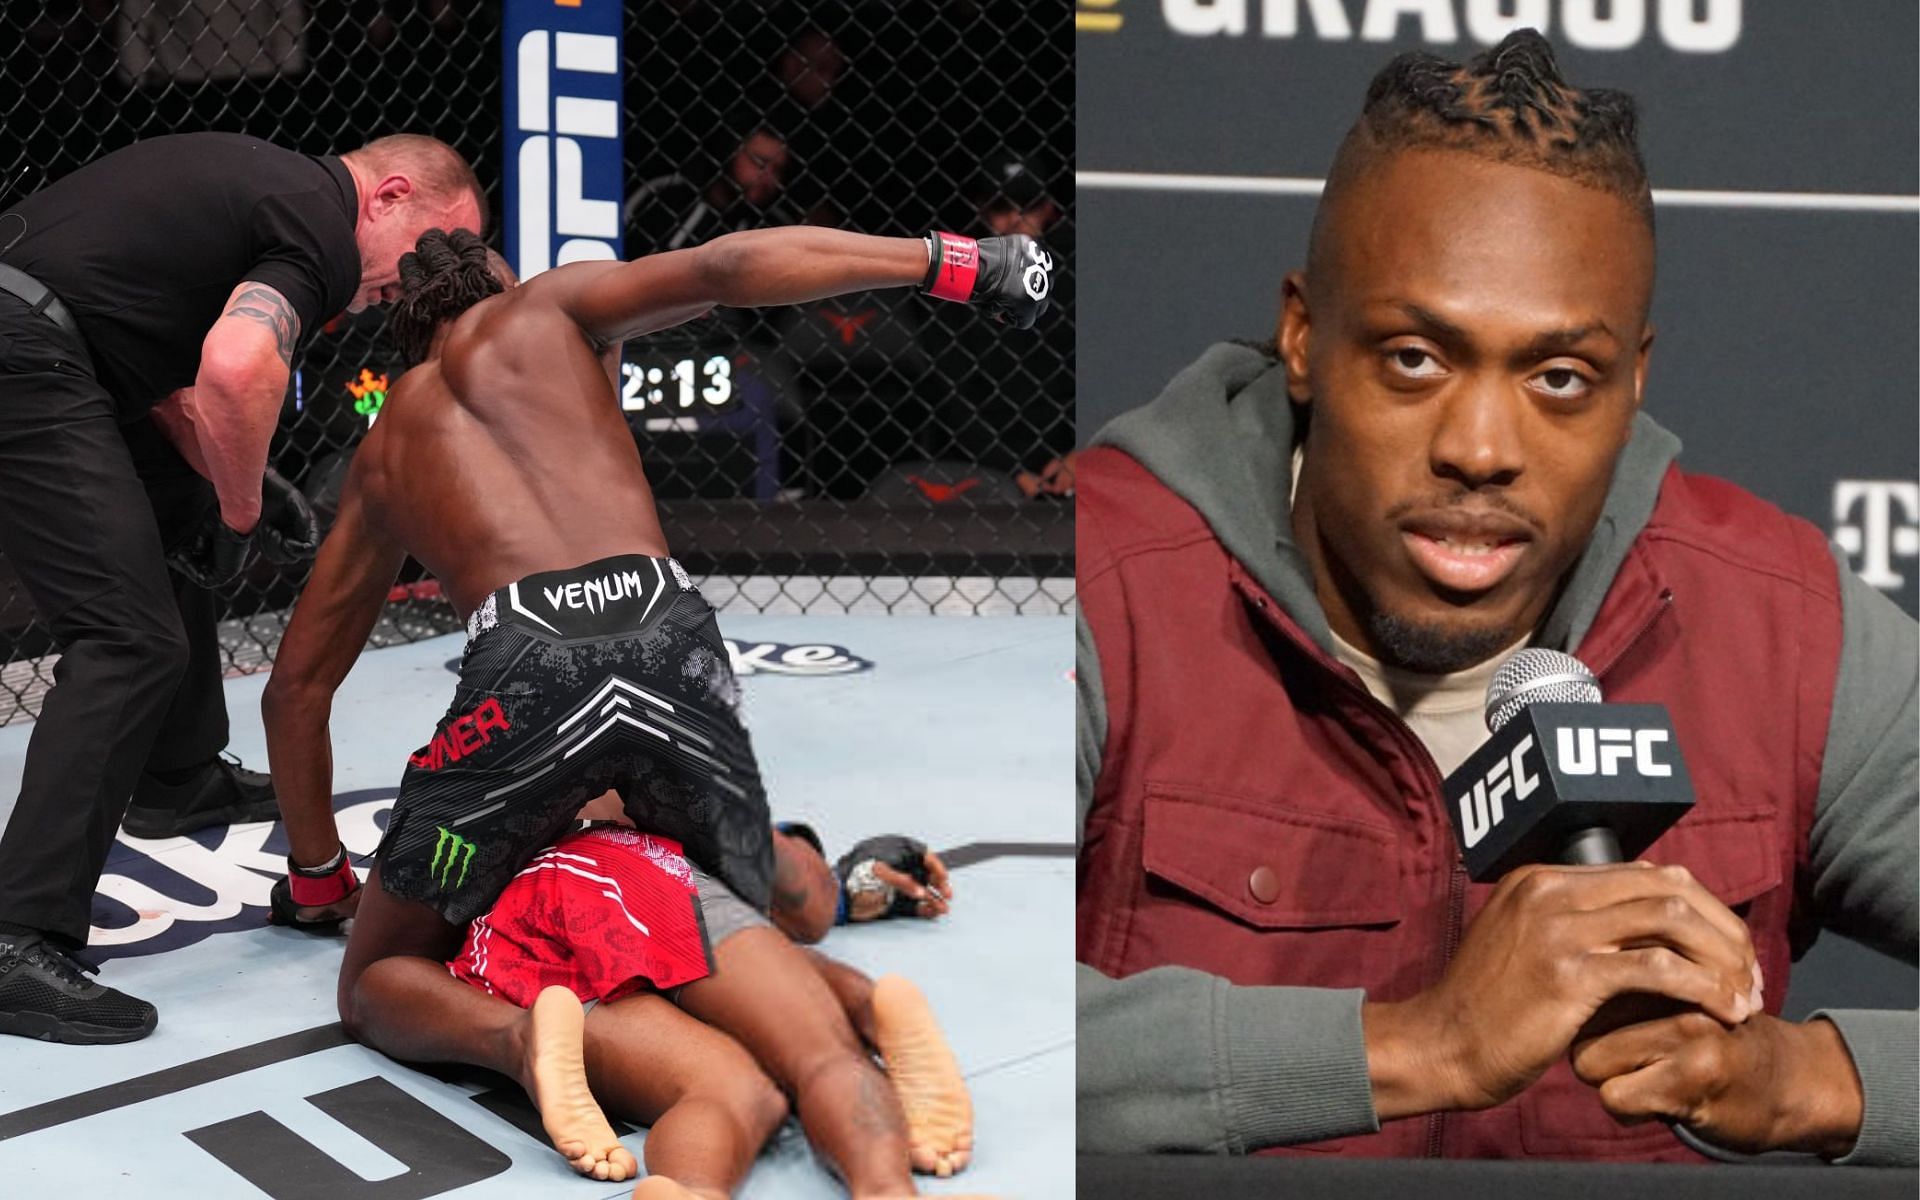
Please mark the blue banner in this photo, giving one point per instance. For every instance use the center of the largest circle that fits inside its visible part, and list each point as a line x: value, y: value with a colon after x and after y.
x: 563, y: 123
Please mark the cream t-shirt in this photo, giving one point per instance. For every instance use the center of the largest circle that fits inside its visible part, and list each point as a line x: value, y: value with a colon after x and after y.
x: 1446, y: 712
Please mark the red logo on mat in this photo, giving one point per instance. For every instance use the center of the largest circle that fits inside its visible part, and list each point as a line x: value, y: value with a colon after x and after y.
x: 940, y: 493
x: 462, y: 736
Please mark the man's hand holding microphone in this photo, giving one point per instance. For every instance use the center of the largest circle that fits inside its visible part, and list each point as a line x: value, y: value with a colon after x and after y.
x: 1635, y: 971
x: 1553, y: 945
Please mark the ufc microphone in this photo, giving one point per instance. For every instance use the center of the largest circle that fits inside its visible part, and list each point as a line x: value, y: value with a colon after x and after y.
x: 1564, y: 778
x: 1567, y: 779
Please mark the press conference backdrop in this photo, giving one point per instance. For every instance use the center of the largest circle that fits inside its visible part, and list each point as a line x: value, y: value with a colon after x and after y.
x: 1783, y: 141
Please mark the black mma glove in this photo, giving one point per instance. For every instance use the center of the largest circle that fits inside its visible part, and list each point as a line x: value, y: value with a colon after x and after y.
x: 903, y: 854
x: 213, y: 555
x: 288, y: 533
x: 1011, y: 277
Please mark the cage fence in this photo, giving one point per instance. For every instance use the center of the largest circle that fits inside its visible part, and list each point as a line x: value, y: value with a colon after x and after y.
x: 876, y: 453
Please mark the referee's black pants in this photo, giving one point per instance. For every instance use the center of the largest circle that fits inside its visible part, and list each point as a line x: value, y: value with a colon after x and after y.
x: 83, y: 503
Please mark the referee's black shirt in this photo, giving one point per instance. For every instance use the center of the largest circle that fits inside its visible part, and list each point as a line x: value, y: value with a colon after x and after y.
x: 146, y: 244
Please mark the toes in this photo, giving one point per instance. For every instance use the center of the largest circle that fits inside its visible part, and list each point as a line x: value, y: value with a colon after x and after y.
x: 615, y: 1166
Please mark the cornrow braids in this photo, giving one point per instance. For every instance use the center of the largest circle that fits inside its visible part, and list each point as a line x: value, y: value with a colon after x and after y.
x: 1510, y: 104
x: 443, y: 276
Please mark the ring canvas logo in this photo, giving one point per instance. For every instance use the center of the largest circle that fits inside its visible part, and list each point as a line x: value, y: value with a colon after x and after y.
x: 165, y: 893
x: 1689, y: 26
x: 563, y: 80
x: 779, y: 658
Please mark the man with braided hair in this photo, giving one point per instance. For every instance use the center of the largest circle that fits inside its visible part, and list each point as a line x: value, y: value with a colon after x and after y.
x: 502, y: 462
x: 1300, y: 567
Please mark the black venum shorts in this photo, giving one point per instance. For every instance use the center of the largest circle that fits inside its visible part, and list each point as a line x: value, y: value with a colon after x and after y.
x: 609, y: 675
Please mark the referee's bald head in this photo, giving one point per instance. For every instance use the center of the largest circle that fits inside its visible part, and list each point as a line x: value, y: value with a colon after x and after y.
x: 408, y: 184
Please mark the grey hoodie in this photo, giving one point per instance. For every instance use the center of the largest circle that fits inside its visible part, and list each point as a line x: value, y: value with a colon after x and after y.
x: 1173, y: 1059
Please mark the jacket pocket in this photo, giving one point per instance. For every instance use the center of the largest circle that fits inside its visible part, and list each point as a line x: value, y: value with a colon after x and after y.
x: 1734, y: 856
x: 1271, y: 867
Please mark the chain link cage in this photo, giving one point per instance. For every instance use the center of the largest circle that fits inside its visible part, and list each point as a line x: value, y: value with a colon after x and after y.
x: 878, y: 453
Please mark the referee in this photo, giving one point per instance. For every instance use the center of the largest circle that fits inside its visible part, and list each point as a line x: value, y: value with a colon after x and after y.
x: 151, y: 304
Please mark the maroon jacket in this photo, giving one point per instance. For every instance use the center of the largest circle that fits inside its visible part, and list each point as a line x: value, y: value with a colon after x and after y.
x: 1260, y: 817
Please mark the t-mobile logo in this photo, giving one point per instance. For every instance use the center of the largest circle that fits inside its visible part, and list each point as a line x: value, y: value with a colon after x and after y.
x: 1886, y: 528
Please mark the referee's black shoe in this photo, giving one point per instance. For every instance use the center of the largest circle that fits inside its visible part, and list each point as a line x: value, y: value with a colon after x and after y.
x: 218, y: 792
x: 45, y: 994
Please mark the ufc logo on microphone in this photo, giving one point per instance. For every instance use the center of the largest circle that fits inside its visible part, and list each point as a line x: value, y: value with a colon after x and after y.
x: 1601, y: 751
x: 1483, y: 807
x: 1886, y: 530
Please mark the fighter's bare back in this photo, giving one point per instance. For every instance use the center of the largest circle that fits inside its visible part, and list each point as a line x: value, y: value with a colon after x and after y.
x: 508, y: 454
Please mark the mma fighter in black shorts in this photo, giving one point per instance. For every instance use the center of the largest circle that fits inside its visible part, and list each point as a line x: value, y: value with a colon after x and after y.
x: 503, y: 463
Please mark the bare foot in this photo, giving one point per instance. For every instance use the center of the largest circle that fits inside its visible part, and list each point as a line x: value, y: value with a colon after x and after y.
x: 659, y: 1187
x: 925, y: 1076
x: 556, y: 1078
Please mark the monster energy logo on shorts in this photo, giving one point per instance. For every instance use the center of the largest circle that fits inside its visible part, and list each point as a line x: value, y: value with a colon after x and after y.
x: 450, y: 844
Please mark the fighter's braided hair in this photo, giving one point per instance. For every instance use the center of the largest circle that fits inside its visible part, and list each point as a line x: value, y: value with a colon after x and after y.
x: 443, y: 276
x: 1510, y: 104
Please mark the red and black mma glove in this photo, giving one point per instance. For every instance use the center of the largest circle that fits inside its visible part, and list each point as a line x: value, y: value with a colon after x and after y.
x: 213, y: 555
x: 288, y: 533
x: 325, y: 887
x: 1011, y: 277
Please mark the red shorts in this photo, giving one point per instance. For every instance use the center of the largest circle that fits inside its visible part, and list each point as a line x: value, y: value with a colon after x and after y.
x: 603, y: 912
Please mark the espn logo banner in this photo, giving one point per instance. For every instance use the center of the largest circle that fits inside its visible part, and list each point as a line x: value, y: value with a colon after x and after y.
x: 563, y: 123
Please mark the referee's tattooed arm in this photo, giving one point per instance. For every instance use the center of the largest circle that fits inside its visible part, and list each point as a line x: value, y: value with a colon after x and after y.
x: 260, y: 303
x: 236, y: 396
